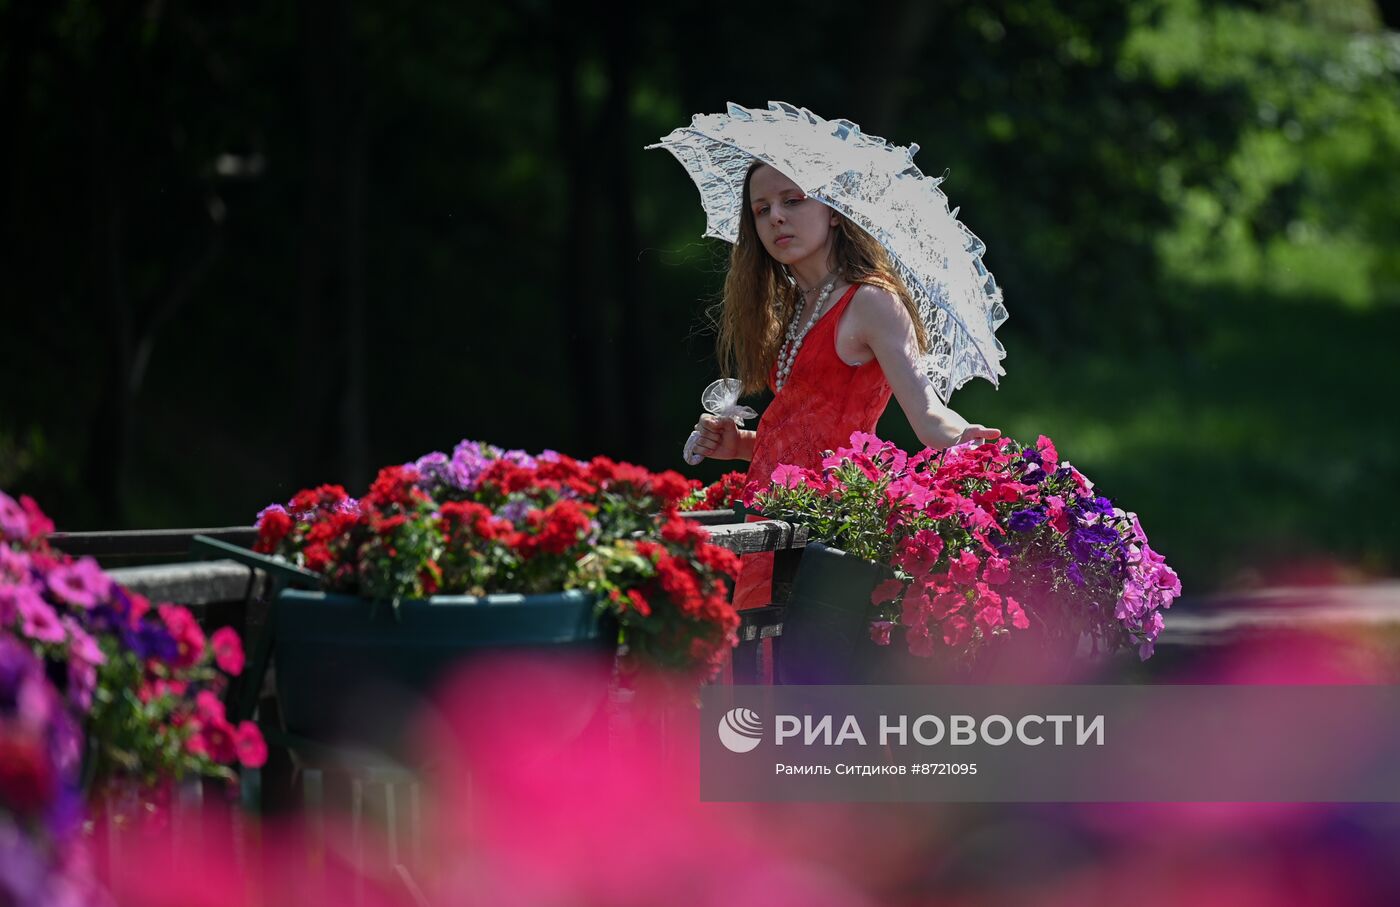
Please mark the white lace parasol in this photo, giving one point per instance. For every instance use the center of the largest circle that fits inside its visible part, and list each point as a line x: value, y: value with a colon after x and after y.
x: 878, y: 188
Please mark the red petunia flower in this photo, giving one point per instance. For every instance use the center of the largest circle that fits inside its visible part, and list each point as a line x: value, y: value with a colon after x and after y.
x: 274, y: 527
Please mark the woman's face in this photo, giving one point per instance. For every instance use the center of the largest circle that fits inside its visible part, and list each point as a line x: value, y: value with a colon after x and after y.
x: 791, y: 226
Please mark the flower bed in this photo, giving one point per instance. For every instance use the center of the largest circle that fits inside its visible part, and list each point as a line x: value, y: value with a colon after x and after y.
x: 985, y: 540
x: 486, y: 520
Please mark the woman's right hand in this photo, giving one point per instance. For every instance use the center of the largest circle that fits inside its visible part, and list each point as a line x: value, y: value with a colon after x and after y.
x: 719, y: 438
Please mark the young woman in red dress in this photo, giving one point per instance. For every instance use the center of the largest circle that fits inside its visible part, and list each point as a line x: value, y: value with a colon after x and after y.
x: 833, y: 347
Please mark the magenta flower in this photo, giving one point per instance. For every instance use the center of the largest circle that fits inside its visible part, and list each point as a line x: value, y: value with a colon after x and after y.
x: 37, y: 620
x: 964, y: 567
x: 787, y: 475
x: 81, y: 646
x: 81, y: 583
x: 14, y: 522
x: 988, y: 615
x: 957, y: 631
x: 887, y: 591
x: 920, y: 641
x: 918, y: 553
x: 945, y: 603
x: 82, y: 682
x: 996, y: 571
x: 880, y: 632
x: 14, y: 565
x: 1017, y: 614
x: 228, y: 651
x: 912, y: 609
x: 184, y: 629
x: 209, y: 707
x: 250, y: 746
x: 909, y: 492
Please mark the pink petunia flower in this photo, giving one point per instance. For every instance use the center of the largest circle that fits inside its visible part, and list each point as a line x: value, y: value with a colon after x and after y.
x: 921, y: 642
x: 957, y: 630
x: 787, y: 475
x: 209, y: 708
x: 14, y: 565
x: 82, y: 683
x: 218, y: 742
x: 81, y: 583
x: 249, y: 744
x: 39, y: 524
x: 228, y: 651
x: 964, y: 567
x: 913, y: 608
x: 1017, y: 614
x: 189, y: 638
x: 945, y: 603
x: 14, y: 522
x: 996, y: 571
x: 38, y: 620
x: 887, y: 591
x: 81, y: 646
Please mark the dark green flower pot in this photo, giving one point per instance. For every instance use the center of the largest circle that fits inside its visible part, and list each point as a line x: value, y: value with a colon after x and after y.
x: 350, y: 669
x: 826, y: 627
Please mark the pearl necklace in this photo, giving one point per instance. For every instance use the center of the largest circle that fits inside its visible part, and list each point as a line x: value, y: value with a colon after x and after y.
x: 792, y: 343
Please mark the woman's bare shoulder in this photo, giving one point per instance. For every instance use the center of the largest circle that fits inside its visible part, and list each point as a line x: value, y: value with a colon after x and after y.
x: 879, y: 309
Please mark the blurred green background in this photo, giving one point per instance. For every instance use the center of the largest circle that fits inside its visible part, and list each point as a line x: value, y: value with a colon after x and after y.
x: 251, y: 248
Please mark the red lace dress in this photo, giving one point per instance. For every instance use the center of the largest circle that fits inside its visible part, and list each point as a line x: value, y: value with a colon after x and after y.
x: 821, y: 403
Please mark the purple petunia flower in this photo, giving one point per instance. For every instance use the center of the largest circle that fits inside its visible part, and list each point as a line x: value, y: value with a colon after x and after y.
x: 1026, y: 520
x: 153, y: 640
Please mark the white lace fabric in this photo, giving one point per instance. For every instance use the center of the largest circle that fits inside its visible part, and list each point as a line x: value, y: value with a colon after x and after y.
x: 878, y: 188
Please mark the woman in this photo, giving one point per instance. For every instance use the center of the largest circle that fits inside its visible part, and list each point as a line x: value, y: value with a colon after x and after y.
x: 814, y: 310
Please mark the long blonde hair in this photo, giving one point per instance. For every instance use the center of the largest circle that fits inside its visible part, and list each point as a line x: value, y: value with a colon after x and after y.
x: 760, y: 299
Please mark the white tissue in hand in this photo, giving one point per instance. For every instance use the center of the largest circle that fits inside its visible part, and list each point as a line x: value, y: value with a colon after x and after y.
x: 721, y: 399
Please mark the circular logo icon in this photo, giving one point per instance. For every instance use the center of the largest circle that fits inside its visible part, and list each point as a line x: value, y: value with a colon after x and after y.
x: 740, y: 730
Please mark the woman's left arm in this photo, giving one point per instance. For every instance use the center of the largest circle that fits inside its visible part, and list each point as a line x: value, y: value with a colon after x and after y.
x: 883, y: 324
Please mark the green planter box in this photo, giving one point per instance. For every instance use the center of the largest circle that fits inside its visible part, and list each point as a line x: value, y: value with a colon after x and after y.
x: 349, y: 669
x: 826, y: 627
